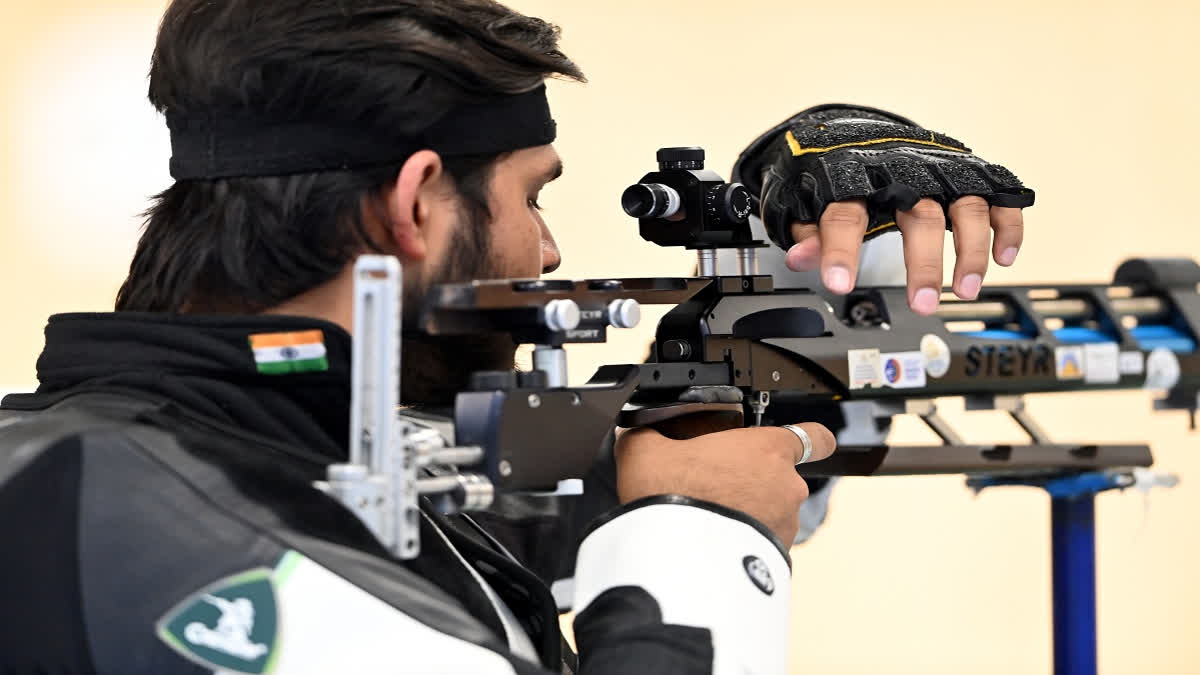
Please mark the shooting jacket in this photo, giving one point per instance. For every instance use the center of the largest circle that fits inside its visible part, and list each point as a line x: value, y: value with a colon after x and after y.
x: 159, y: 514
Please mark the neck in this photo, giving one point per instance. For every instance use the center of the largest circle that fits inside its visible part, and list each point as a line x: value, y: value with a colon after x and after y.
x: 434, y: 369
x: 332, y: 301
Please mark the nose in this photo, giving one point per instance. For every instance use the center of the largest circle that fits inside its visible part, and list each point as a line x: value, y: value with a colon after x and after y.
x: 551, y: 257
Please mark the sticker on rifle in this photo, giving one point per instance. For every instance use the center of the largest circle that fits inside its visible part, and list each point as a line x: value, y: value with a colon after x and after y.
x: 937, y: 355
x: 1132, y: 363
x: 1162, y: 369
x: 903, y: 370
x: 866, y: 370
x: 1101, y: 361
x: 1068, y: 363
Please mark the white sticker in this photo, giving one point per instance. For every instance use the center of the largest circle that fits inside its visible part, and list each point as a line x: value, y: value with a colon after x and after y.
x: 1101, y: 365
x: 865, y: 368
x: 937, y: 355
x: 1068, y: 363
x: 1132, y: 363
x: 903, y: 370
x: 1162, y: 369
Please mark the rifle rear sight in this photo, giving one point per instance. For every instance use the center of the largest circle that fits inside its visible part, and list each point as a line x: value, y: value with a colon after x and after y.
x: 684, y: 204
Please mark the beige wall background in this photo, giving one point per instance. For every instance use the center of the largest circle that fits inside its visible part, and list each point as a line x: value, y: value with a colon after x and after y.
x: 1093, y: 104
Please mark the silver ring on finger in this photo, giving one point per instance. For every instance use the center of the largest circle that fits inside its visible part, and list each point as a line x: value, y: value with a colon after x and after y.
x: 805, y: 441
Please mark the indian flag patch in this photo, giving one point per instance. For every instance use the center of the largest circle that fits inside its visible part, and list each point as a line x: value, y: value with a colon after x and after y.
x: 286, y: 353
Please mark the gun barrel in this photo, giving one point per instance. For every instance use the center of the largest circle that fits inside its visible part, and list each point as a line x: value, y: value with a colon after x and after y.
x: 1067, y: 309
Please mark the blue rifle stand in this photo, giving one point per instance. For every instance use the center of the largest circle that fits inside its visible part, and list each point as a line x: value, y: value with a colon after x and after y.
x: 1073, y: 552
x: 1073, y: 547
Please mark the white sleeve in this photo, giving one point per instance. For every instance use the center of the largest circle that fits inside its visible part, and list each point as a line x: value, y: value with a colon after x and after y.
x: 706, y: 566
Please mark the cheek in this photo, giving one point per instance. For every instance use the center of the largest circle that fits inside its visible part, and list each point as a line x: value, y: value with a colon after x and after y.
x: 518, y: 247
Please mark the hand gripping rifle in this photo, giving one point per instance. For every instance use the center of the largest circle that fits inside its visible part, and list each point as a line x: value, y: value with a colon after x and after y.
x: 733, y: 343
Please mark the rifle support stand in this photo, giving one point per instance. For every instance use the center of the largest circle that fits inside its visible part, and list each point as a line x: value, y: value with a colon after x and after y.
x: 1072, y: 524
x: 1073, y: 551
x: 1073, y: 555
x: 1073, y: 560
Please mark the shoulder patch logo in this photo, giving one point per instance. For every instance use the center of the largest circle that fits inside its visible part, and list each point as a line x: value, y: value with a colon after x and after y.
x: 759, y: 573
x: 232, y: 625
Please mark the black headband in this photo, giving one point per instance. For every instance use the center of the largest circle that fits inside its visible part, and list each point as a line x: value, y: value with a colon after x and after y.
x: 234, y: 146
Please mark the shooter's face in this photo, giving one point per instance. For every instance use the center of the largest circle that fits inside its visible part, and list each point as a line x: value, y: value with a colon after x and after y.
x: 521, y: 244
x: 514, y: 243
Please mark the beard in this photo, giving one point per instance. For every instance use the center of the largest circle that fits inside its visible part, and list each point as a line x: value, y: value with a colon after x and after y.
x: 434, y: 369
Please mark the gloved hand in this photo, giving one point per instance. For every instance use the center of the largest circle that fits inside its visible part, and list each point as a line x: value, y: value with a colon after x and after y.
x: 859, y: 172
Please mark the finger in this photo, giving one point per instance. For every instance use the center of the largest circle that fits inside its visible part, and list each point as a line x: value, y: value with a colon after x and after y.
x: 1009, y: 225
x: 805, y: 255
x: 842, y: 228
x: 924, y: 230
x: 971, y: 217
x: 823, y: 442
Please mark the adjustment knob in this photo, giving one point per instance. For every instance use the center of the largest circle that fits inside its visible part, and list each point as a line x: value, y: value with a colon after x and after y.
x: 626, y: 313
x: 676, y: 350
x: 561, y: 315
x: 680, y: 158
x: 730, y: 202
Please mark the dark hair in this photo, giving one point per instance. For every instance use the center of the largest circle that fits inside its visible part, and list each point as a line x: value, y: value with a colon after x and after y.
x: 246, y: 244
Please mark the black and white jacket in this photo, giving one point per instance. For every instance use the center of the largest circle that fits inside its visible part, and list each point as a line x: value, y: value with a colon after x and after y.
x: 158, y: 517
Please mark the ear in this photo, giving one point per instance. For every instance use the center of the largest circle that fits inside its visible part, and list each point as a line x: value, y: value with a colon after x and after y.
x: 414, y: 203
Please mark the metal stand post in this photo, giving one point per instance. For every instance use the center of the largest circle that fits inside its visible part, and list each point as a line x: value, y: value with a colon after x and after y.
x: 1073, y: 541
x: 1073, y: 551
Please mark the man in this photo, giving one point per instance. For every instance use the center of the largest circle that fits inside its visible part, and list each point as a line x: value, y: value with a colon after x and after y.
x: 161, y: 476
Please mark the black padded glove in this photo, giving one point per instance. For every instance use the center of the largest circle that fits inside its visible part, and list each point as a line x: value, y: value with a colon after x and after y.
x: 833, y: 153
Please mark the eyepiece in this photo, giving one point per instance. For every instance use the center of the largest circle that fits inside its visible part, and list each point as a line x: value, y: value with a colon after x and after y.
x: 650, y: 200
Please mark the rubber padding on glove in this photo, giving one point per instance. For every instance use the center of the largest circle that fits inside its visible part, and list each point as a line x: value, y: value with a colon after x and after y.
x: 748, y: 168
x: 838, y: 153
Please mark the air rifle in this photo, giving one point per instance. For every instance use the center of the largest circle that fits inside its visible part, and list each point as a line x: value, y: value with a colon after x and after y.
x: 732, y: 344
